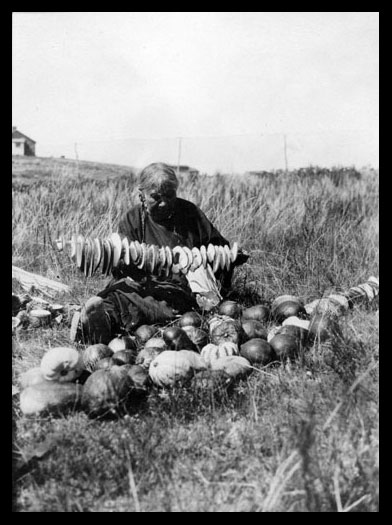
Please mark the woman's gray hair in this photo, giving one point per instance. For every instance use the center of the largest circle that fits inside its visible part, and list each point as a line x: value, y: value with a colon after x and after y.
x: 158, y: 176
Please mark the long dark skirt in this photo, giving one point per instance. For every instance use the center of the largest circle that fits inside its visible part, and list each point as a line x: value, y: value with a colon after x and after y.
x: 131, y: 304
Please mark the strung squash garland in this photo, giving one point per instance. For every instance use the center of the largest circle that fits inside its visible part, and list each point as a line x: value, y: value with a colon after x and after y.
x: 102, y: 255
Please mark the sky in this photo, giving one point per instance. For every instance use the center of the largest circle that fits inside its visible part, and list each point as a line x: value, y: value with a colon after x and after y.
x: 243, y: 90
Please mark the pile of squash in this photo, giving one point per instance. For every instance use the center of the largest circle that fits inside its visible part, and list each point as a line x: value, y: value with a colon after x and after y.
x: 227, y: 344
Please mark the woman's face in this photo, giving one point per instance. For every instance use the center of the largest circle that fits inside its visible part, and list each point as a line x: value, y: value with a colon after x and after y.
x: 160, y: 204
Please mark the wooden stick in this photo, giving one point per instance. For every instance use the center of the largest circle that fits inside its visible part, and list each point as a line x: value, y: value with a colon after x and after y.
x: 30, y: 280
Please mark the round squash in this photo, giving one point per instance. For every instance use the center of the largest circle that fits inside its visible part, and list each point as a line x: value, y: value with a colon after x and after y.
x: 24, y: 318
x: 286, y: 306
x: 273, y: 330
x: 93, y: 353
x: 190, y: 319
x: 211, y: 351
x: 145, y: 332
x: 31, y: 377
x: 16, y: 322
x: 216, y: 320
x: 285, y: 346
x: 124, y: 357
x: 177, y: 339
x: 140, y: 378
x: 122, y: 342
x: 299, y: 333
x: 104, y: 364
x: 259, y: 312
x: 296, y: 321
x: 258, y: 351
x: 50, y: 397
x: 323, y: 327
x: 198, y: 336
x: 62, y: 364
x: 235, y: 366
x: 106, y: 391
x: 331, y: 306
x: 230, y: 308
x: 16, y: 304
x: 230, y: 330
x: 156, y: 342
x: 253, y: 328
x: 39, y: 318
x: 146, y: 355
x: 171, y: 367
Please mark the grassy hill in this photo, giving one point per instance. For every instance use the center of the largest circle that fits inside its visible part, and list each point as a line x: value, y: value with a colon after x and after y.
x: 31, y: 169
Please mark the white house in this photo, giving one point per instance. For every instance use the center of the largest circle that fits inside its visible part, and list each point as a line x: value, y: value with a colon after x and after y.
x: 21, y: 144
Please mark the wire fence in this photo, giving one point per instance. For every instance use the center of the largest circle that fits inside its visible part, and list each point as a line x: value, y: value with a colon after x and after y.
x: 231, y: 153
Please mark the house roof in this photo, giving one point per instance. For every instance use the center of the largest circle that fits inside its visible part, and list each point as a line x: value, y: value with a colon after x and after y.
x: 18, y: 135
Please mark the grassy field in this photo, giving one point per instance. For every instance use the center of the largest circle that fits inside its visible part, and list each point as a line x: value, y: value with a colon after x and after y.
x: 298, y: 437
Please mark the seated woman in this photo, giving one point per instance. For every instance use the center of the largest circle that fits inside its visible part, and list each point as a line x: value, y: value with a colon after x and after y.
x: 133, y: 297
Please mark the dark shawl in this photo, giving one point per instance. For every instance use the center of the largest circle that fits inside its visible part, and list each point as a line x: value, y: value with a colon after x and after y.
x: 152, y: 299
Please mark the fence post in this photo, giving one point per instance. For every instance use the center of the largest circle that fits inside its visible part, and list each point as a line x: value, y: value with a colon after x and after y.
x: 285, y: 153
x: 179, y: 155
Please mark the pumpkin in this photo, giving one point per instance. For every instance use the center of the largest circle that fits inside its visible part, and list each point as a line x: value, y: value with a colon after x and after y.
x: 235, y: 366
x: 146, y: 355
x: 286, y: 306
x: 330, y: 306
x: 24, y: 318
x: 106, y: 391
x: 140, y: 378
x: 39, y: 317
x: 285, y: 346
x: 257, y: 351
x: 104, y: 364
x: 298, y: 332
x: 198, y: 336
x: 229, y: 330
x: 212, y: 351
x: 296, y: 321
x: 50, y: 397
x: 209, y: 352
x: 16, y: 304
x: 156, y: 342
x: 230, y: 308
x: 253, y: 328
x: 273, y: 331
x: 171, y: 367
x: 62, y: 364
x: 177, y: 339
x: 145, y: 332
x: 323, y: 327
x: 190, y: 319
x: 31, y: 377
x: 216, y: 320
x: 16, y: 322
x: 122, y: 342
x: 258, y: 312
x: 124, y: 357
x: 340, y: 300
x: 93, y: 353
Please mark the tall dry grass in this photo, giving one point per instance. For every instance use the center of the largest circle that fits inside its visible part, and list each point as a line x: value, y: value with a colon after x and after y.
x: 298, y: 437
x: 305, y: 232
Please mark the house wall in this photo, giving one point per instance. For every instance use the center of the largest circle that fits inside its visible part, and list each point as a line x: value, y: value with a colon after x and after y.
x: 23, y: 147
x: 17, y: 148
x: 29, y: 148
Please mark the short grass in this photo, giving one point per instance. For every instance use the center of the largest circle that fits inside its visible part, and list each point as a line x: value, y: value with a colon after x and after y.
x: 296, y: 437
